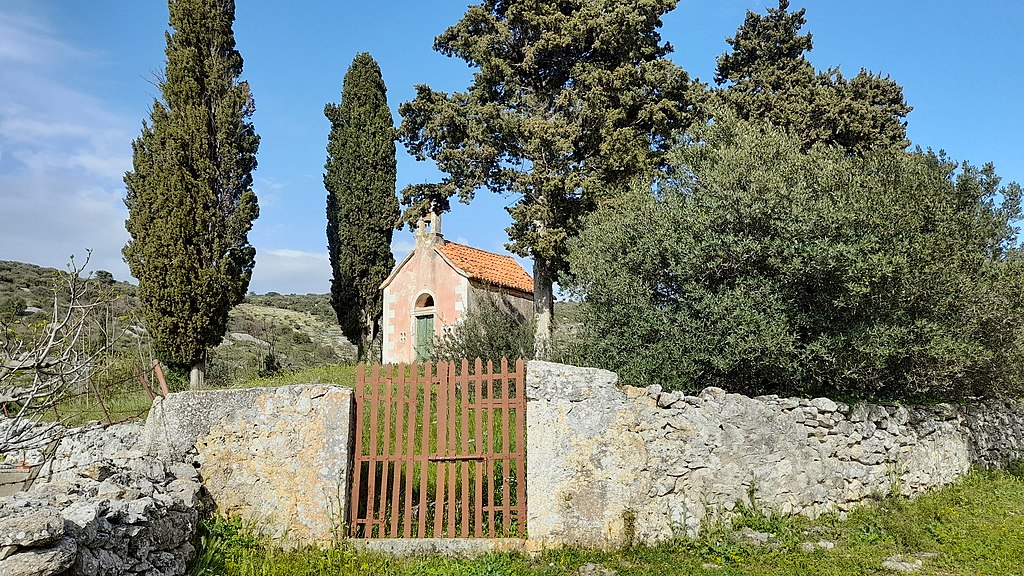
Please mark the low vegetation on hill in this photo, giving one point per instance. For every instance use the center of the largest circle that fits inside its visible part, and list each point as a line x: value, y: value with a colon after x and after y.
x: 27, y: 289
x: 266, y: 335
x: 264, y: 339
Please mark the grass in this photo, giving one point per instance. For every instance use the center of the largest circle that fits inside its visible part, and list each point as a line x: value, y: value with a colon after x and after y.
x: 975, y: 526
x: 340, y: 374
x: 128, y: 401
x: 127, y: 405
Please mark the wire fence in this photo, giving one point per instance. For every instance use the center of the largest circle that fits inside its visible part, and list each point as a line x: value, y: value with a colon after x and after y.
x: 121, y: 394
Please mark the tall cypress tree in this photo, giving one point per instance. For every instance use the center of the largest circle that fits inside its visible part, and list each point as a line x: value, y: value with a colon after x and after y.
x: 190, y: 200
x: 362, y: 208
x: 767, y: 77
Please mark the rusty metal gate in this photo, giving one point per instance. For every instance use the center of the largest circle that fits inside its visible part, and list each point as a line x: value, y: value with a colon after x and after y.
x: 439, y: 451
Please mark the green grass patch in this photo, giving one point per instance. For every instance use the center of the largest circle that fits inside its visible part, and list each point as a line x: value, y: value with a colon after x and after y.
x: 125, y: 405
x: 975, y: 526
x: 339, y: 374
x: 128, y: 401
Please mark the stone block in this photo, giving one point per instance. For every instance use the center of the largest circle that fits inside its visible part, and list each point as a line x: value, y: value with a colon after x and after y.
x: 584, y: 456
x: 175, y: 423
x: 859, y: 412
x: 25, y: 525
x: 284, y: 462
x: 52, y: 561
x: 550, y: 381
x: 824, y: 405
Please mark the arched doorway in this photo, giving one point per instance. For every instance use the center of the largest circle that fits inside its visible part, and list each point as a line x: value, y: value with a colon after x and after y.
x: 424, y: 314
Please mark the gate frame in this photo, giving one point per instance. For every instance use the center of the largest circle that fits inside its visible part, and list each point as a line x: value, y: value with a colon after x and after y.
x: 449, y: 384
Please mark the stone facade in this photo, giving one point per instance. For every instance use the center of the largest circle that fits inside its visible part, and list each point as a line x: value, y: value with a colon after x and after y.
x: 608, y: 466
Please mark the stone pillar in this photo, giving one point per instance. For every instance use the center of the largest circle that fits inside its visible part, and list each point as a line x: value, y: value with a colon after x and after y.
x: 280, y: 458
x: 583, y: 457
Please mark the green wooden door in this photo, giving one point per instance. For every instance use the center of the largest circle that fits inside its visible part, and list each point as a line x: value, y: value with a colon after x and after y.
x: 424, y: 337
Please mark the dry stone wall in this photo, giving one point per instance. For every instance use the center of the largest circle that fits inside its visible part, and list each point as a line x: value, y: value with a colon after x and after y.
x: 101, y: 506
x: 279, y: 458
x: 125, y: 499
x: 608, y: 466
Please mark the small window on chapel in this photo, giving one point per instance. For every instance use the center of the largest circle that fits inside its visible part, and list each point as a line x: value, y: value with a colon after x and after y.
x: 425, y: 301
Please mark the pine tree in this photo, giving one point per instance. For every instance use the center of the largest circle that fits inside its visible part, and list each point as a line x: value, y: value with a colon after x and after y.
x: 189, y: 197
x: 362, y: 208
x: 768, y: 78
x: 571, y: 100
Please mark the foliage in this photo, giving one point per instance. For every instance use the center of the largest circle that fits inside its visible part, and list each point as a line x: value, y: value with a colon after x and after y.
x: 287, y: 333
x: 489, y: 330
x: 570, y: 100
x: 189, y: 197
x: 302, y: 328
x: 768, y: 78
x: 318, y: 305
x: 762, y: 269
x: 32, y: 285
x: 27, y: 284
x: 12, y: 306
x: 972, y: 527
x: 362, y: 209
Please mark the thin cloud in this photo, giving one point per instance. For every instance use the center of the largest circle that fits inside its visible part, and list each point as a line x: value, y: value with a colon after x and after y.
x: 64, y: 152
x: 291, y: 272
x: 26, y: 39
x: 44, y: 221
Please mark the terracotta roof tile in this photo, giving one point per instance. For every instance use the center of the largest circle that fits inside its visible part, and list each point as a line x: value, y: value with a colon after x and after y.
x: 487, y: 267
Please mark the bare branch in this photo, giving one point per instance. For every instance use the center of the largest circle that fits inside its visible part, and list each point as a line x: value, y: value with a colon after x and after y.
x: 41, y: 365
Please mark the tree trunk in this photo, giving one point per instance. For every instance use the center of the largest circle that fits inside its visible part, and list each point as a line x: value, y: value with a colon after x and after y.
x: 365, y: 343
x: 361, y: 348
x: 197, y: 375
x: 543, y: 307
x: 370, y: 329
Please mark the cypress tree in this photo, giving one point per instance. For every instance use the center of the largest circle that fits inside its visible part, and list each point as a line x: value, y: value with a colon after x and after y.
x: 767, y: 77
x: 362, y: 208
x: 571, y: 101
x: 189, y: 197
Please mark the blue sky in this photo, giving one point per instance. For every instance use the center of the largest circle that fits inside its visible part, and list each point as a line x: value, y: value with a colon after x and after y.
x: 78, y: 78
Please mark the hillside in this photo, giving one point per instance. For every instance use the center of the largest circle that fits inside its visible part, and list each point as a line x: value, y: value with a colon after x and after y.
x: 29, y: 289
x: 265, y: 338
x: 265, y: 333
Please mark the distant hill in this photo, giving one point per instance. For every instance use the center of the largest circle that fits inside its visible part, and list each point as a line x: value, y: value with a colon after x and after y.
x: 291, y: 331
x: 31, y: 288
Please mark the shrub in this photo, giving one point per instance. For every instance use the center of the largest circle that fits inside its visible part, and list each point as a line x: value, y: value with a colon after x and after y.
x: 488, y: 331
x: 762, y: 269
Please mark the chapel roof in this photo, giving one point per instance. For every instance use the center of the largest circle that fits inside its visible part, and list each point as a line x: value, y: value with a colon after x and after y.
x: 494, y: 269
